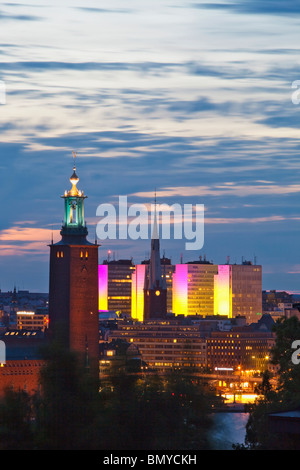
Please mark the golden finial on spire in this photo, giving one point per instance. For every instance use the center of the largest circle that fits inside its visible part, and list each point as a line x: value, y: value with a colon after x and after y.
x: 74, y: 156
x: 74, y: 178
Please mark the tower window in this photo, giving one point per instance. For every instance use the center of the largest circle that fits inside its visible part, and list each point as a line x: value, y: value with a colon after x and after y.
x: 86, y: 254
x: 81, y: 254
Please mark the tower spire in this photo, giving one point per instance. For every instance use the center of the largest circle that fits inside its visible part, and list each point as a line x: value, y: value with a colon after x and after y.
x: 74, y: 156
x: 155, y: 230
x: 155, y: 266
x: 74, y: 223
x: 155, y: 292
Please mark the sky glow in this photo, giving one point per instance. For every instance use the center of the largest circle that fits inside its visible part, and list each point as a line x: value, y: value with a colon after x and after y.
x: 192, y: 98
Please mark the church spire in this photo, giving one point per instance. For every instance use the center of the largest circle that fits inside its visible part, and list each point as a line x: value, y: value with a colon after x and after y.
x: 155, y: 292
x: 156, y: 280
x: 155, y: 266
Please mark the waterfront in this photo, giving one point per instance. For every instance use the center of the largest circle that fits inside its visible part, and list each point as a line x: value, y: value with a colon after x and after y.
x: 229, y: 428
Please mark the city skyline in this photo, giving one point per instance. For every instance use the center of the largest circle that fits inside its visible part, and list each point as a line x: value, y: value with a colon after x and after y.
x: 191, y: 98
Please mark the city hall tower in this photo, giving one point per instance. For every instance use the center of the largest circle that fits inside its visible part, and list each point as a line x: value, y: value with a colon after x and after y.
x: 73, y: 288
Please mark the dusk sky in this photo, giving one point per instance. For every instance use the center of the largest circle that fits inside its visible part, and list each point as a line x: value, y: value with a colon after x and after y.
x: 191, y: 98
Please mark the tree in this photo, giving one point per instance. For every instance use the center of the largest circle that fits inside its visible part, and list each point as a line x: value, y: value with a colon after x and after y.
x: 135, y: 413
x: 68, y: 406
x: 158, y: 413
x: 286, y: 395
x: 287, y: 331
x: 15, y: 421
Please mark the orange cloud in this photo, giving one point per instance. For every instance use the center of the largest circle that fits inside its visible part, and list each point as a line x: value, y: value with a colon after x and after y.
x: 23, y: 234
x: 25, y: 240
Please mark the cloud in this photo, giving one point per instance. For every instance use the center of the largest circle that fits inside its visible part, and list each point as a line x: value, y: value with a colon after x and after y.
x: 21, y: 17
x: 86, y: 66
x: 104, y: 10
x: 248, y: 220
x: 22, y: 234
x: 26, y: 250
x: 266, y: 7
x: 295, y: 269
x: 25, y: 241
x: 224, y: 190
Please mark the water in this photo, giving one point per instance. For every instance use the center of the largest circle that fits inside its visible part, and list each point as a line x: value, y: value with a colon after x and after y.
x: 229, y: 428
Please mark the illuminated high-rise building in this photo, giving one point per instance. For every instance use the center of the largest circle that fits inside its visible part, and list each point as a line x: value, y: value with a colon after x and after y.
x: 137, y: 292
x: 205, y: 289
x: 115, y: 286
x: 193, y: 288
x: 73, y: 289
x: 238, y: 291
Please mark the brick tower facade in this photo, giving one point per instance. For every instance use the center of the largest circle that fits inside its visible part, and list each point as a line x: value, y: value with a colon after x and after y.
x: 73, y: 289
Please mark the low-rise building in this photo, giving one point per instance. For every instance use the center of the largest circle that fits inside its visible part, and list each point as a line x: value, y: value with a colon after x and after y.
x: 30, y: 320
x: 23, y: 361
x: 170, y: 344
x: 119, y: 356
x: 242, y: 348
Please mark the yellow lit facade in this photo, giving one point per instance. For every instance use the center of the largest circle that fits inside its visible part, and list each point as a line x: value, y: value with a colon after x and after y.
x: 238, y: 291
x: 223, y: 292
x: 193, y: 289
x: 137, y: 292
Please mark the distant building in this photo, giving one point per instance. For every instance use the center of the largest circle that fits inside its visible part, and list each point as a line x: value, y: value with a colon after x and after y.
x: 27, y: 320
x: 193, y: 288
x: 115, y: 286
x: 21, y: 370
x: 195, y: 343
x: 245, y: 348
x: 119, y: 356
x: 271, y: 299
x: 170, y: 344
x: 204, y: 288
x: 280, y: 304
x: 238, y: 291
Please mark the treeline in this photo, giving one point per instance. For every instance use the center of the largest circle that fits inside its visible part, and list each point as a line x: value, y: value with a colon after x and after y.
x: 70, y: 413
x: 285, y: 396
